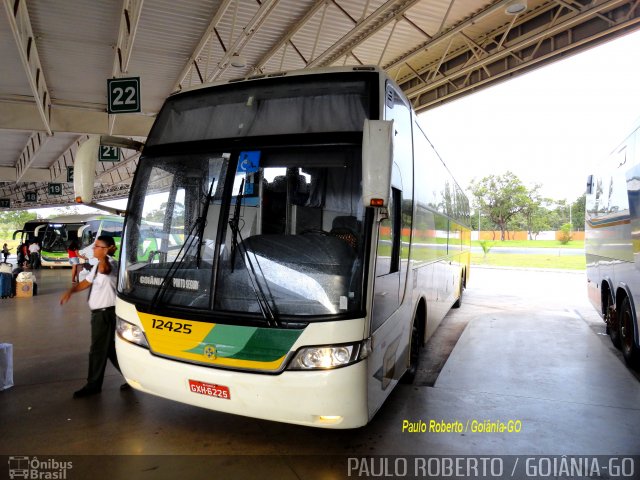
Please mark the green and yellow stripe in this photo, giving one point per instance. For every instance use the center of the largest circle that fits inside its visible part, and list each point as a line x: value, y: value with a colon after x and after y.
x: 250, y: 348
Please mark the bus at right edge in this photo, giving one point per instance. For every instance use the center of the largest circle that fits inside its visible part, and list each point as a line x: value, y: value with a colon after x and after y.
x: 612, y: 244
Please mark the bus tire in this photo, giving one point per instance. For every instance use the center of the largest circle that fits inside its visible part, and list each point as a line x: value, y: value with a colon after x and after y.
x: 458, y: 302
x: 626, y: 329
x: 611, y: 319
x: 414, y: 354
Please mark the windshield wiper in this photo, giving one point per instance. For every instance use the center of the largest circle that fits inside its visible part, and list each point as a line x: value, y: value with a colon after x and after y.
x: 234, y: 224
x: 268, y: 312
x: 199, y: 223
x: 203, y: 222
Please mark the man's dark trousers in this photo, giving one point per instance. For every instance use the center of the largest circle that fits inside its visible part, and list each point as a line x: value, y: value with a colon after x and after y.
x: 103, y: 347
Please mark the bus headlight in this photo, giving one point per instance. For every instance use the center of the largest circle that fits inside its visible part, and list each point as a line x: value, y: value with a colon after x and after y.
x: 131, y: 333
x: 329, y: 356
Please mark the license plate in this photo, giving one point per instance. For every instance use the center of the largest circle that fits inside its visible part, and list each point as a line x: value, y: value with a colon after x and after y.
x: 209, y: 389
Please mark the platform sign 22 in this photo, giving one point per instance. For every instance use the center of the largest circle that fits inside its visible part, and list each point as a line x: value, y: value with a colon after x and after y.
x: 123, y: 95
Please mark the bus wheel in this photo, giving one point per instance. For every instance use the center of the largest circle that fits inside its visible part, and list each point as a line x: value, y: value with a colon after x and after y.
x: 414, y: 354
x: 627, y: 334
x: 611, y: 319
x: 459, y: 300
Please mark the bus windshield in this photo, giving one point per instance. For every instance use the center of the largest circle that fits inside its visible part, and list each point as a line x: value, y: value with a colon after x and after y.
x: 57, y: 236
x: 274, y: 231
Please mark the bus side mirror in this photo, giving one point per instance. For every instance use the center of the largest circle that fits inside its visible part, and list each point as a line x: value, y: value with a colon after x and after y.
x: 589, y: 184
x: 377, y: 159
x: 84, y: 171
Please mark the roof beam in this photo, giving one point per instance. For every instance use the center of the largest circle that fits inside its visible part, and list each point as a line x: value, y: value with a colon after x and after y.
x: 289, y: 35
x: 30, y: 152
x: 518, y: 45
x: 58, y: 170
x: 202, y: 44
x: 129, y: 20
x: 363, y: 30
x: 8, y: 174
x: 266, y: 8
x: 449, y: 85
x: 24, y: 116
x: 446, y: 35
x: 26, y: 42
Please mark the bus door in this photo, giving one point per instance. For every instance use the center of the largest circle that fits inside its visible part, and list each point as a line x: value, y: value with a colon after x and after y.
x: 389, y: 326
x: 386, y: 296
x: 386, y: 328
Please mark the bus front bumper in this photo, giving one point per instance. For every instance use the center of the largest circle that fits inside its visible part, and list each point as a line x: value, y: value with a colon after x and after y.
x: 54, y: 262
x: 328, y: 399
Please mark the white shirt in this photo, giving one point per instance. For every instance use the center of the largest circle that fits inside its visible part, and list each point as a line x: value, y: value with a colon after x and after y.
x: 88, y: 253
x: 34, y: 248
x: 103, y: 287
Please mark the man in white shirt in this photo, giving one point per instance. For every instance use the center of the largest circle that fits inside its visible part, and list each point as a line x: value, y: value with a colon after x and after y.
x: 34, y: 255
x: 102, y: 301
x: 87, y: 254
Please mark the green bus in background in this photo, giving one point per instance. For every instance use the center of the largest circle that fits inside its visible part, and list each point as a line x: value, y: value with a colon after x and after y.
x: 55, y: 234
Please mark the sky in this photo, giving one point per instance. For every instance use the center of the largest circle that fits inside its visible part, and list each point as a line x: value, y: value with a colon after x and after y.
x: 549, y: 126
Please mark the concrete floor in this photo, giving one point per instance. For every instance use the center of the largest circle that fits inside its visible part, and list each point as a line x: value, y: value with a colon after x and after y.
x: 532, y: 349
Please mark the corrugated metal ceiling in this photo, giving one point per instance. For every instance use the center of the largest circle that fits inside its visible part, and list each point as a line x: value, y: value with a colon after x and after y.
x: 57, y: 56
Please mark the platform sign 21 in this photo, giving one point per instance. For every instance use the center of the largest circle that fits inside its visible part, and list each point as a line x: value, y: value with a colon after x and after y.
x: 109, y: 154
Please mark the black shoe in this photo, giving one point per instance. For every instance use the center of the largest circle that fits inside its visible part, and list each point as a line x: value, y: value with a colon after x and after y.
x: 125, y: 386
x: 86, y: 391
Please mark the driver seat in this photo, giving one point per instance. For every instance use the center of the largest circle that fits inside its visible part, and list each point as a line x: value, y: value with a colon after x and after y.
x: 347, y: 228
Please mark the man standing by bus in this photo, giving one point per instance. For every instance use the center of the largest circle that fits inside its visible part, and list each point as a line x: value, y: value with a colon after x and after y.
x: 102, y: 300
x: 34, y: 254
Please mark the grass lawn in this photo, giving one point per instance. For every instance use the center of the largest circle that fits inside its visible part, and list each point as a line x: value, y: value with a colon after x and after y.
x: 567, y: 262
x: 532, y: 243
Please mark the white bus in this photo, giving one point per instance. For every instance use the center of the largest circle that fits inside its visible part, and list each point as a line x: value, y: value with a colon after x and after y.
x: 612, y: 244
x: 84, y: 228
x: 56, y: 233
x: 310, y: 240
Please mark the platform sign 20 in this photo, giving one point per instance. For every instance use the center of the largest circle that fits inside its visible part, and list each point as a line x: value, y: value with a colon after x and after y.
x: 55, y: 189
x: 123, y: 95
x: 69, y: 174
x: 5, y: 203
x: 109, y: 154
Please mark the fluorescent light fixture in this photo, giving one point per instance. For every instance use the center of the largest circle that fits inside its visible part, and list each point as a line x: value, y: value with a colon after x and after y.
x: 238, y: 61
x: 516, y: 7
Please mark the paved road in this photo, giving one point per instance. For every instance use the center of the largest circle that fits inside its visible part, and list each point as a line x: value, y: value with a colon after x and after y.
x: 525, y: 345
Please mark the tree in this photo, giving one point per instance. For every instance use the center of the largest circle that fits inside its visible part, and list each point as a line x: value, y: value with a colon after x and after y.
x: 14, y: 220
x: 501, y: 198
x: 535, y: 212
x: 62, y: 211
x: 577, y: 212
x: 159, y: 214
x: 565, y: 233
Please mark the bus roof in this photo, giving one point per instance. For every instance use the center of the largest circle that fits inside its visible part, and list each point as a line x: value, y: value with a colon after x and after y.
x: 292, y: 73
